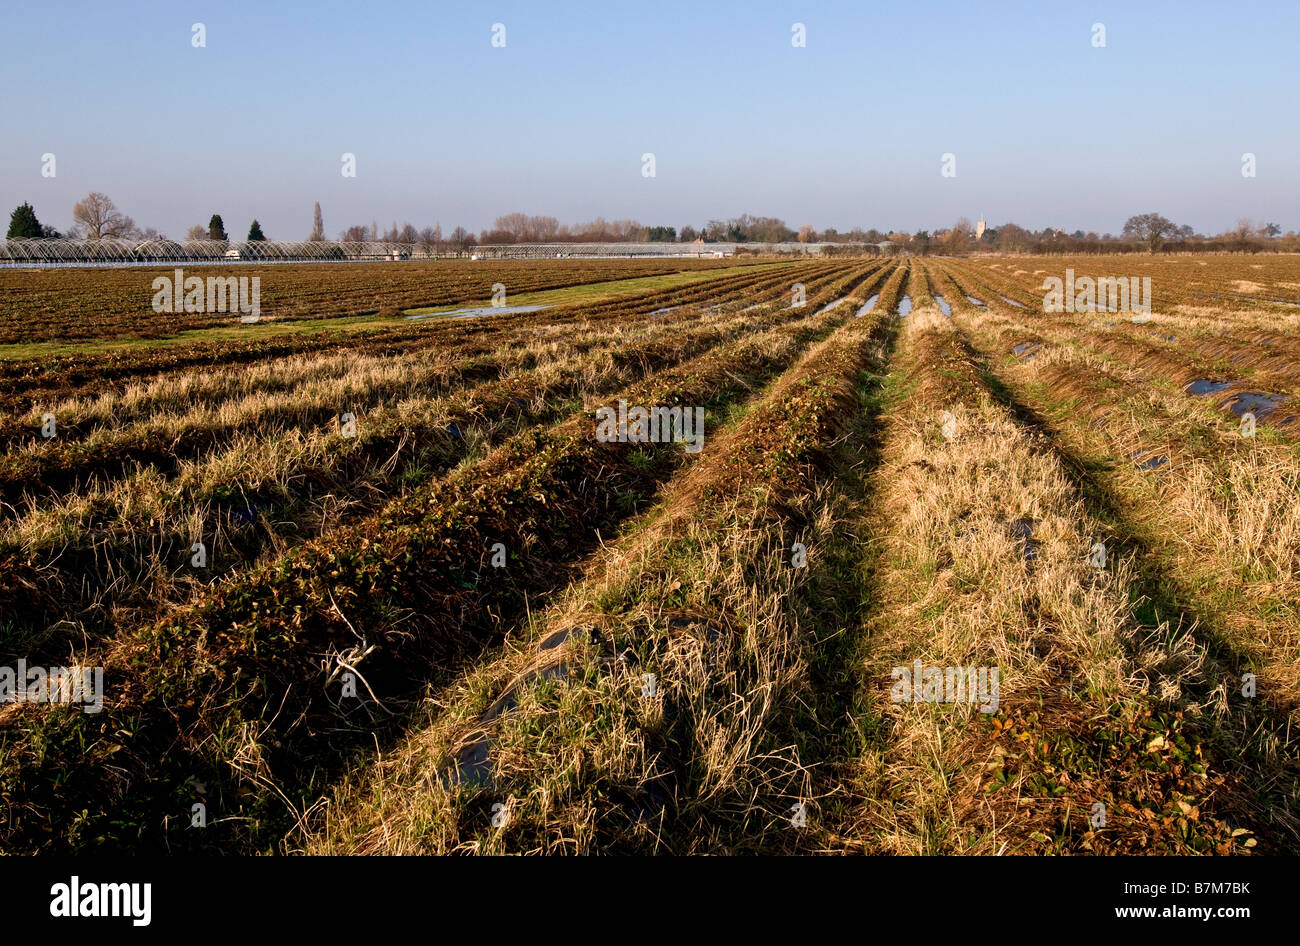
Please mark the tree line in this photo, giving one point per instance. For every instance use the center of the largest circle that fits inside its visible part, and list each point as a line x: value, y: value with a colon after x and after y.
x: 96, y: 217
x: 522, y: 228
x: 1148, y: 232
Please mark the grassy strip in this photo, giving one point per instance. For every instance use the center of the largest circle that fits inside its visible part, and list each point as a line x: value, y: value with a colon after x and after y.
x: 597, y: 292
x: 167, y: 442
x: 216, y: 693
x: 561, y: 738
x: 104, y: 305
x: 238, y: 516
x: 470, y: 343
x: 1176, y: 284
x: 1198, y: 349
x: 39, y: 379
x: 984, y: 549
x: 918, y: 287
x: 1215, y: 526
x: 239, y: 513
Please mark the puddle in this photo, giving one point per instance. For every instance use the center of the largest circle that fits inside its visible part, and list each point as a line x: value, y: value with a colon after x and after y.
x: 472, y: 764
x: 905, y: 306
x: 1018, y: 305
x: 1261, y: 405
x: 1153, y: 462
x: 477, y: 313
x: 243, y: 515
x: 1023, y: 529
x: 473, y: 761
x: 977, y: 302
x: 555, y: 639
x: 827, y: 308
x: 1255, y: 402
x: 868, y: 305
x: 1026, y: 350
x: 1204, y: 386
x: 942, y: 303
x: 660, y: 313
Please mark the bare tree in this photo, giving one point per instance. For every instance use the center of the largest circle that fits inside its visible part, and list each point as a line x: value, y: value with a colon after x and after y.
x: 545, y: 229
x: 355, y: 234
x: 317, y: 225
x: 513, y: 227
x: 461, y: 239
x: 960, y: 237
x: 1243, y: 234
x: 1151, y: 229
x: 196, y: 232
x: 1012, y: 238
x: 630, y: 231
x: 101, y: 219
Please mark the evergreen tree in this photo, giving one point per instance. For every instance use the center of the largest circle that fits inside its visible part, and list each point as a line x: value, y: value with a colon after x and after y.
x: 217, y: 228
x: 23, y: 224
x: 255, y: 232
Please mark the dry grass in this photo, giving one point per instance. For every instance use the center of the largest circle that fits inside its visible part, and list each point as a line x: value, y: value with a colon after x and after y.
x: 1223, y: 510
x: 700, y: 594
x: 985, y: 561
x: 658, y: 668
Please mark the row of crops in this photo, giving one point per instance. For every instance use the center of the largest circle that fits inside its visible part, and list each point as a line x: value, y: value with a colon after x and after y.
x: 41, y: 306
x: 951, y: 574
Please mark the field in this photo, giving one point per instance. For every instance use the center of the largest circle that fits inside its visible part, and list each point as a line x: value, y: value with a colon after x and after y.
x: 49, y: 306
x: 361, y: 583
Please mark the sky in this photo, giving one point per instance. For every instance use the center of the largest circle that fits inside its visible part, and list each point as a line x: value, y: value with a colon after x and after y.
x: 1046, y: 128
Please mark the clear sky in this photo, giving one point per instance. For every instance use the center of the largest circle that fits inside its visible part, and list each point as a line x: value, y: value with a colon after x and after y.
x: 849, y: 130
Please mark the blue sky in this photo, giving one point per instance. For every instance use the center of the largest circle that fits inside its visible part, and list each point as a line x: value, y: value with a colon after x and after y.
x: 1046, y: 129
